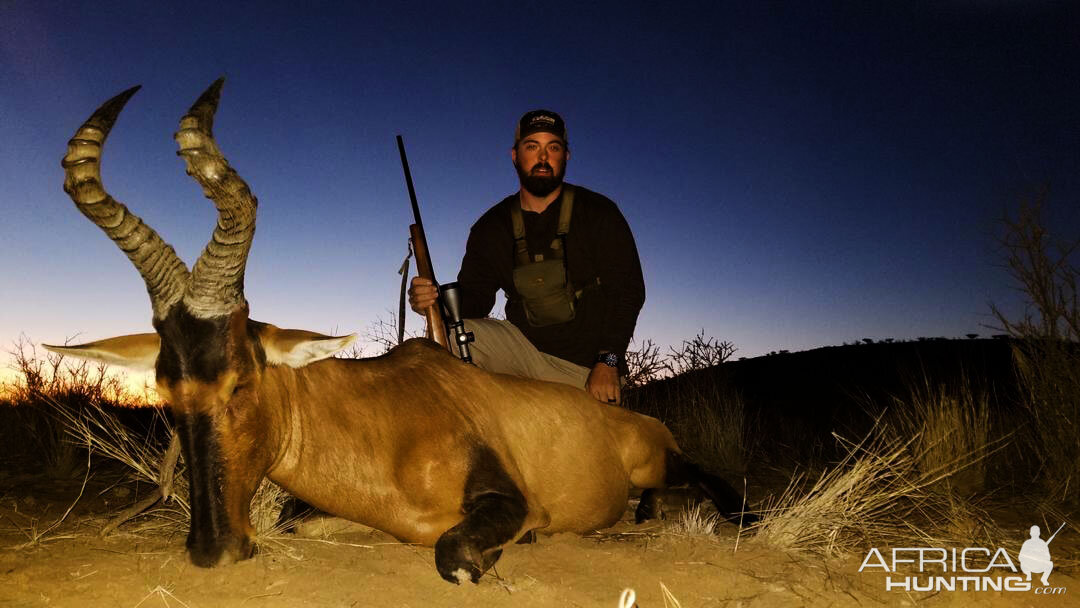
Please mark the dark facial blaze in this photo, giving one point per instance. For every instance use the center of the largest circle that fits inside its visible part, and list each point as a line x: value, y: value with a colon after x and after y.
x: 211, y: 540
x: 205, y: 369
x: 192, y: 349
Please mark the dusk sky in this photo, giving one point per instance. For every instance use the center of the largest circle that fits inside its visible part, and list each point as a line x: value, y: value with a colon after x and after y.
x: 796, y: 174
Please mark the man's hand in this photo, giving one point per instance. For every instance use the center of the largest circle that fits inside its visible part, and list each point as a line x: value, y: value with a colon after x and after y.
x: 422, y: 295
x: 603, y: 383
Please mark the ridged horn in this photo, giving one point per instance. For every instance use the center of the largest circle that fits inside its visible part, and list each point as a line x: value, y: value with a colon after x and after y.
x: 217, y: 278
x: 165, y: 274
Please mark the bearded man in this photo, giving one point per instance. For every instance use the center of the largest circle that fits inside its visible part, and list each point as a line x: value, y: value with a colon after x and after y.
x: 566, y: 260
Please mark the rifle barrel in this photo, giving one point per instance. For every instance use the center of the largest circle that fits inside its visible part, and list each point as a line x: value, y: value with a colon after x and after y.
x: 1055, y: 533
x: 409, y: 183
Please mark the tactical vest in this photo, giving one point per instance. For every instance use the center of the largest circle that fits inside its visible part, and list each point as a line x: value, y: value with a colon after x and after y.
x: 542, y: 281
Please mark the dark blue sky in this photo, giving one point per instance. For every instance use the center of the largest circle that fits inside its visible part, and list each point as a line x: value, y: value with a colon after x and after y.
x: 796, y: 174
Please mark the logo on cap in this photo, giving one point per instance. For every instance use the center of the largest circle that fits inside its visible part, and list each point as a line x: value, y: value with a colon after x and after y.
x: 540, y: 121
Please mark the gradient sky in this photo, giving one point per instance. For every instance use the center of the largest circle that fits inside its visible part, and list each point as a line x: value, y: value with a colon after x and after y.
x: 796, y: 174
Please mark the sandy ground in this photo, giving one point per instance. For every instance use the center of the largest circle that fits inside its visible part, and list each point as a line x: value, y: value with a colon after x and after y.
x: 141, y: 566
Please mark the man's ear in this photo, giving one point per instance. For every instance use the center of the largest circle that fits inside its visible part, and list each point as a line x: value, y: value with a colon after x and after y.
x: 513, y: 155
x: 136, y: 351
x: 298, y: 347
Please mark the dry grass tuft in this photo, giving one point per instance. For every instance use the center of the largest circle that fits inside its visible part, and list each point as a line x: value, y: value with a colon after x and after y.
x: 952, y: 431
x: 849, y: 504
x: 670, y: 601
x: 712, y: 422
x: 879, y: 494
x: 142, y: 453
x: 693, y: 522
x: 100, y: 431
x: 265, y: 507
x: 162, y: 594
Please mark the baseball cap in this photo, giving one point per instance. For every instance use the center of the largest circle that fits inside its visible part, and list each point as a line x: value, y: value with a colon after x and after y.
x: 540, y: 121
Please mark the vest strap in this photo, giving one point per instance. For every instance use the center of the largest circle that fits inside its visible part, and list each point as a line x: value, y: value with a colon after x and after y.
x: 521, y: 248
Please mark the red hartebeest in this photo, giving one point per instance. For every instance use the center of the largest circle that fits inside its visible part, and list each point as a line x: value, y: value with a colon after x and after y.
x: 415, y: 443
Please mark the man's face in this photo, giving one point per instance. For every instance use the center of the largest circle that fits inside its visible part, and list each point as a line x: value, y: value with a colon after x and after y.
x: 540, y: 160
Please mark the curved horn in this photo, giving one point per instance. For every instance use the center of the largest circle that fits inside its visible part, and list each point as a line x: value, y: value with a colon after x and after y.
x: 217, y: 278
x: 165, y: 274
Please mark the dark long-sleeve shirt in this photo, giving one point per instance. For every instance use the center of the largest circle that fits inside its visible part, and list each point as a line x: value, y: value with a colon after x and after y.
x: 599, y: 245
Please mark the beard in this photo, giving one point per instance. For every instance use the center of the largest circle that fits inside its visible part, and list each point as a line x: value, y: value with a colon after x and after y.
x: 540, y: 185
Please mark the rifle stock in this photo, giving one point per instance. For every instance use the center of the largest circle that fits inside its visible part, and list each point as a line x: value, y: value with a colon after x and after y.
x: 436, y: 327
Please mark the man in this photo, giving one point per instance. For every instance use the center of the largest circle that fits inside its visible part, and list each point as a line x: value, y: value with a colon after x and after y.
x: 566, y: 259
x: 1035, y: 556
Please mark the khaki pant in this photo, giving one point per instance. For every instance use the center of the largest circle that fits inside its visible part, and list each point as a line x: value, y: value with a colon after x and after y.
x: 502, y: 348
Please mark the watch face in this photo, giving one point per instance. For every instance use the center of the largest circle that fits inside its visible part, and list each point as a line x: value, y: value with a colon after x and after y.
x: 609, y: 359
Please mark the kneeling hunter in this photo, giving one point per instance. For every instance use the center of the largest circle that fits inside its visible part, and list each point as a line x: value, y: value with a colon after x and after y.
x: 566, y: 260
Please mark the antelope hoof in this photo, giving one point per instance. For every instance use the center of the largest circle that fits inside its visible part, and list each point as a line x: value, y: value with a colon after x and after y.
x: 214, y: 555
x: 459, y: 559
x: 651, y: 506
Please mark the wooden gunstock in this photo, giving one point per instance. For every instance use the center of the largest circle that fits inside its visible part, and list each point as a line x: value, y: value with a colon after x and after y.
x: 436, y: 327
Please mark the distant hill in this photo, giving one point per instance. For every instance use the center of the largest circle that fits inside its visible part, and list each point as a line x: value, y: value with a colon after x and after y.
x: 827, y: 387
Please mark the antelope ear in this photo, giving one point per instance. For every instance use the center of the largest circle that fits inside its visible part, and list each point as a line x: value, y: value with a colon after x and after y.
x: 298, y: 347
x: 137, y: 351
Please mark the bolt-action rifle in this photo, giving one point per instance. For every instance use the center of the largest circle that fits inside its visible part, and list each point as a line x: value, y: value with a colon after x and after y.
x: 448, y: 293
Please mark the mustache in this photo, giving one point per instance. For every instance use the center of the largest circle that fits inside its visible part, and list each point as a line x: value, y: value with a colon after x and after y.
x: 541, y: 165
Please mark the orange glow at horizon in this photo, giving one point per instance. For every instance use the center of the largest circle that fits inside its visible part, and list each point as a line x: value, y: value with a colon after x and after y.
x: 138, y: 387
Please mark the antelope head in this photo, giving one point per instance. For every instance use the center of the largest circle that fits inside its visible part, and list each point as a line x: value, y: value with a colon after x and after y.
x: 209, y: 358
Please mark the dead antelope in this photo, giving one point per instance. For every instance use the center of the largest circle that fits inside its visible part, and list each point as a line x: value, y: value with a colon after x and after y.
x: 415, y: 443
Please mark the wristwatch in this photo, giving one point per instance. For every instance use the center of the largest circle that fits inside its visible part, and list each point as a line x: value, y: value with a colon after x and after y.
x: 608, y: 359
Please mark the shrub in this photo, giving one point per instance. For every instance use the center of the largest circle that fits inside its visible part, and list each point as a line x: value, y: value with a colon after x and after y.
x: 1045, y: 349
